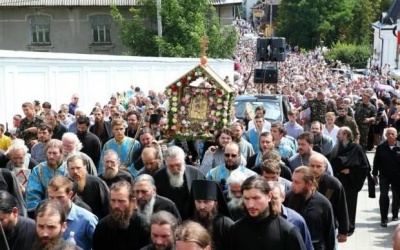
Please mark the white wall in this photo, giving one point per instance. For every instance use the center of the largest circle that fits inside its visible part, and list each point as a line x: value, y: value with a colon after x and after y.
x: 385, y: 44
x: 54, y: 77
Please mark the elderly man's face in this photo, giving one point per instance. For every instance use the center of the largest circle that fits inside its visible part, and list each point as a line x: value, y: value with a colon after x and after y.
x: 143, y: 192
x: 174, y: 164
x: 68, y: 145
x: 17, y: 158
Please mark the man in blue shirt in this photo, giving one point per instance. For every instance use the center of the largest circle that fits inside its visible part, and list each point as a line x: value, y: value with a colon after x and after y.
x: 42, y: 173
x: 79, y: 220
x: 232, y: 158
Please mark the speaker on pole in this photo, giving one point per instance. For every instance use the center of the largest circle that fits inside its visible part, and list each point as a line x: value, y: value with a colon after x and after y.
x: 278, y: 45
x: 262, y: 49
x: 268, y: 75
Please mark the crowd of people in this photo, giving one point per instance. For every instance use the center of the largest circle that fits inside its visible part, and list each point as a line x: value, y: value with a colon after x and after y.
x: 114, y: 179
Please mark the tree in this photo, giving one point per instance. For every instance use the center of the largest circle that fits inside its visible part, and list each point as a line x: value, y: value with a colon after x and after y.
x: 354, y: 55
x: 184, y: 23
x: 363, y: 14
x: 308, y: 22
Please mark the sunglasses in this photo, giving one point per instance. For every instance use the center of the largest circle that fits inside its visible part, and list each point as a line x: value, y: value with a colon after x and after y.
x: 230, y: 155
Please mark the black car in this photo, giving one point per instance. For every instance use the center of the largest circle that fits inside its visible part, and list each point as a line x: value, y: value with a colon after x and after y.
x: 276, y: 106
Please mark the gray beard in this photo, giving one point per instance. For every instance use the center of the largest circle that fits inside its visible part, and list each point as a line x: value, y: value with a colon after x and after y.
x: 17, y: 167
x: 176, y: 181
x: 234, y: 202
x: 109, y: 174
x: 147, y: 209
x: 339, y: 146
x: 65, y: 158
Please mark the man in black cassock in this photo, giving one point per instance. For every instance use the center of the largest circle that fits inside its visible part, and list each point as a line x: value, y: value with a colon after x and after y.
x: 19, y: 231
x: 9, y: 183
x: 162, y: 229
x: 91, y: 189
x: 123, y: 228
x: 112, y: 172
x: 146, y: 138
x: 351, y: 166
x: 175, y: 180
x: 148, y: 202
x: 313, y: 206
x: 212, y: 212
x: 233, y: 194
x: 152, y: 160
x: 90, y: 142
x: 262, y: 228
x: 333, y: 190
x: 101, y: 128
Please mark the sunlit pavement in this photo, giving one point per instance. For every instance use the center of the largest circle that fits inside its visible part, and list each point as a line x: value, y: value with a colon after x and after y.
x: 369, y: 234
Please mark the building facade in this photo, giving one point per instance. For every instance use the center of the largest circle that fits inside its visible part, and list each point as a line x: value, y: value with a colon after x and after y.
x: 386, y: 48
x: 73, y: 26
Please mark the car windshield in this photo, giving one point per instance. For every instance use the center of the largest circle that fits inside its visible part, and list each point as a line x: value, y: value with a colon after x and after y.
x: 273, y: 110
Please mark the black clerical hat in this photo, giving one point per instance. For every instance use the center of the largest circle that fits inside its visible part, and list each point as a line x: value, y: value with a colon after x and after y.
x: 205, y: 190
x: 210, y: 190
x: 155, y: 118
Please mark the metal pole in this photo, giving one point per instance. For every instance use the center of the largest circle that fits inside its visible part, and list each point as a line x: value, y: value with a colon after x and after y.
x: 270, y: 17
x: 159, y: 23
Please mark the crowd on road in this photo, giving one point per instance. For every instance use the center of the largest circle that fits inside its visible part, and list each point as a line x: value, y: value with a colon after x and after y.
x: 115, y: 179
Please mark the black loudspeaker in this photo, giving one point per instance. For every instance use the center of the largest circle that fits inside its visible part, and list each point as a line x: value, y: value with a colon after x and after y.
x: 262, y: 49
x: 260, y: 75
x: 278, y: 49
x: 269, y: 75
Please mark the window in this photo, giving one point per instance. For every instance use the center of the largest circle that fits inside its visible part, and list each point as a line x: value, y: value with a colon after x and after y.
x: 101, y: 29
x: 40, y: 30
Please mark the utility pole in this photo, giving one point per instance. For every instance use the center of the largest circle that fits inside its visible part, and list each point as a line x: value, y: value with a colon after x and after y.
x: 159, y: 23
x: 270, y: 17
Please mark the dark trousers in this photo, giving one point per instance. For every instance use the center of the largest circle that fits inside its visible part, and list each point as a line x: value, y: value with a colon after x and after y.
x: 351, y: 199
x: 384, y: 201
x: 370, y: 141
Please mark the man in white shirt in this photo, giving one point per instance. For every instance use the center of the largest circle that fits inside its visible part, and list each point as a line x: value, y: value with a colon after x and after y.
x: 260, y: 110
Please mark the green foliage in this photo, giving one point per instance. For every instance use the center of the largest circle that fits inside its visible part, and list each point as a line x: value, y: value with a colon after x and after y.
x: 184, y: 23
x: 361, y: 24
x: 355, y: 55
x: 307, y: 22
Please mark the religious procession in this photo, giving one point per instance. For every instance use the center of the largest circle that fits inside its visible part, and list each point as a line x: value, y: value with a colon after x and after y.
x: 193, y: 167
